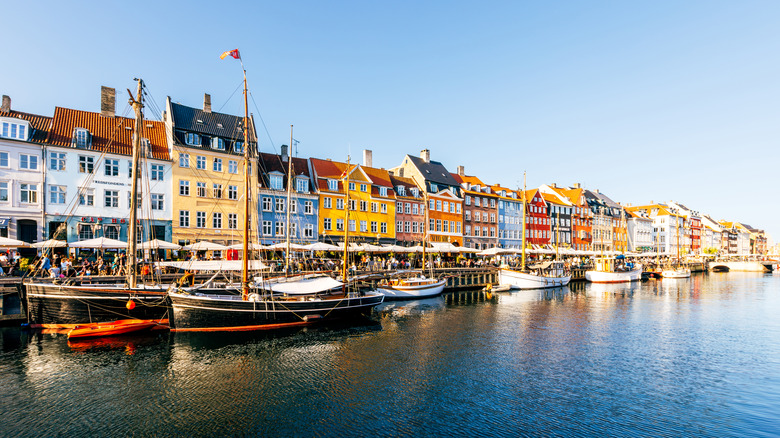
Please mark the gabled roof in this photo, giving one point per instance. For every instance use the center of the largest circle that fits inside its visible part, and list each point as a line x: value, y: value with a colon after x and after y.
x: 273, y: 163
x: 327, y: 169
x: 109, y: 134
x: 473, y: 181
x: 39, y: 125
x: 210, y: 123
x: 433, y: 171
x: 496, y: 188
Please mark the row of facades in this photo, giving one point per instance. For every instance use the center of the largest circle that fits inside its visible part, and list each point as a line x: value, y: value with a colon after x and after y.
x: 68, y: 177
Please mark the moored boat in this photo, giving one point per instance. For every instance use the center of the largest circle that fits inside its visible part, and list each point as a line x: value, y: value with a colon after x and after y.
x: 116, y: 328
x: 411, y: 288
x: 606, y: 271
x: 541, y: 275
x: 679, y: 272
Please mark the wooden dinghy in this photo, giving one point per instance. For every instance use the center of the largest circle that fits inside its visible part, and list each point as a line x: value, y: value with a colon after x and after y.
x: 115, y: 328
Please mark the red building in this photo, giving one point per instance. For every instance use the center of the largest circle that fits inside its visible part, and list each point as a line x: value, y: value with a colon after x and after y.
x: 409, y: 211
x: 537, y: 222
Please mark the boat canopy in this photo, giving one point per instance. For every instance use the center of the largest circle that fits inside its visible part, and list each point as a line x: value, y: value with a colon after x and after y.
x: 301, y: 286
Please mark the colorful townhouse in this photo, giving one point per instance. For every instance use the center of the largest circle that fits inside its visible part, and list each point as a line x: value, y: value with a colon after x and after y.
x: 560, y: 211
x: 510, y: 217
x: 693, y: 227
x: 21, y: 173
x: 409, y: 211
x: 610, y: 231
x: 89, y: 175
x: 711, y: 235
x: 581, y: 217
x: 480, y: 212
x: 372, y: 201
x: 443, y: 194
x: 207, y: 149
x: 640, y: 232
x: 272, y: 199
x: 537, y: 227
x: 667, y: 223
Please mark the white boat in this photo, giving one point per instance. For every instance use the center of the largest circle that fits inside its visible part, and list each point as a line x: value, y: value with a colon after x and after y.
x: 606, y: 271
x: 411, y: 288
x: 549, y: 274
x: 680, y: 272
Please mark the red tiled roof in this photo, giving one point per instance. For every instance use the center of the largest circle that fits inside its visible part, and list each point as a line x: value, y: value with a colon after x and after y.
x: 41, y: 124
x: 335, y: 170
x: 109, y: 134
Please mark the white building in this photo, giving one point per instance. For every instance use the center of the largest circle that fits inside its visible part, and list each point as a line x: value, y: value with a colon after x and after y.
x: 21, y: 173
x: 640, y: 232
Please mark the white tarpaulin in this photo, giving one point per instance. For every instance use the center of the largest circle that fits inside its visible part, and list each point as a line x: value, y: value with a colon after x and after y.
x: 301, y: 286
x: 213, y: 265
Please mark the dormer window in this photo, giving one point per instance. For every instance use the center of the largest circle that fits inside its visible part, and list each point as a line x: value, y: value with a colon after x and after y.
x: 238, y: 147
x: 415, y: 192
x: 363, y: 188
x: 218, y: 144
x: 192, y: 139
x: 17, y: 129
x: 146, y: 148
x: 401, y: 190
x: 276, y: 182
x: 333, y: 185
x: 302, y: 185
x: 434, y: 188
x: 383, y: 191
x: 81, y: 138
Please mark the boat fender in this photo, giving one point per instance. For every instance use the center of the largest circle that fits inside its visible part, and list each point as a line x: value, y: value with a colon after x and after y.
x: 130, y: 305
x: 254, y: 297
x: 309, y: 318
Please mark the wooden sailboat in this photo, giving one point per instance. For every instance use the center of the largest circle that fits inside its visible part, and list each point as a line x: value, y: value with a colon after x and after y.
x: 415, y: 286
x: 268, y: 303
x: 540, y: 275
x: 679, y: 270
x: 78, y: 301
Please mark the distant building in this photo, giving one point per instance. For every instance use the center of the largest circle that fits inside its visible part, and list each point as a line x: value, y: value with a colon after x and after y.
x: 409, y: 211
x: 560, y: 210
x: 480, y: 212
x: 510, y: 217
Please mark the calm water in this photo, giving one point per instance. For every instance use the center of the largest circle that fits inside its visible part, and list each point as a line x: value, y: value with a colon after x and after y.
x: 695, y: 357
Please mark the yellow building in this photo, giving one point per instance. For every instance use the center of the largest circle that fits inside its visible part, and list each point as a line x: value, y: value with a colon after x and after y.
x: 207, y: 150
x: 371, y: 199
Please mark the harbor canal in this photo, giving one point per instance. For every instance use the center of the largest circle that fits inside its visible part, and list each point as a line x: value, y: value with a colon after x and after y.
x: 689, y: 357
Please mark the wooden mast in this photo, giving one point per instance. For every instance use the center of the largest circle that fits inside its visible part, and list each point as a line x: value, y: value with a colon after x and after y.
x: 247, y: 191
x: 425, y: 229
x: 132, y: 229
x: 524, y: 207
x: 289, y: 196
x: 346, y: 224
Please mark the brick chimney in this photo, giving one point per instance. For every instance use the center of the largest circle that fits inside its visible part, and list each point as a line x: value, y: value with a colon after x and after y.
x: 284, y: 152
x: 107, y: 101
x: 425, y: 154
x: 577, y: 186
x: 554, y: 185
x: 6, y: 104
x: 368, y: 158
x: 461, y: 171
x: 206, y: 103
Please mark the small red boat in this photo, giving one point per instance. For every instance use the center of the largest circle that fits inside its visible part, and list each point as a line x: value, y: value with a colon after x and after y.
x: 119, y: 327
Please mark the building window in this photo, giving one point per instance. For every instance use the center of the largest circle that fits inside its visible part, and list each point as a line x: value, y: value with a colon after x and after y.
x: 399, y: 226
x: 217, y: 166
x: 217, y: 190
x: 157, y: 172
x: 87, y: 197
x: 374, y: 207
x: 216, y: 220
x: 363, y: 226
x: 218, y: 144
x: 184, y: 218
x: 399, y: 206
x: 57, y: 161
x: 363, y: 187
x: 445, y: 226
x: 233, y: 192
x: 86, y: 164
x: 308, y: 207
x: 200, y: 162
x: 293, y: 206
x: 415, y: 209
x: 86, y: 232
x: 308, y: 231
x: 326, y: 224
x: 374, y: 227
x: 28, y: 162
x: 326, y: 202
x: 279, y: 204
x: 232, y: 166
x: 438, y: 224
x: 363, y: 205
x: 158, y: 202
x: 14, y: 130
x: 383, y: 191
x: 184, y: 160
x: 352, y: 226
x: 339, y: 204
x: 267, y: 228
x: 112, y: 167
x: 232, y: 221
x: 57, y: 194
x: 266, y: 204
x: 383, y: 228
x: 276, y: 182
x: 81, y: 138
x: 184, y: 188
x: 351, y: 186
x: 414, y: 227
x: 201, y: 186
x: 407, y: 227
x: 238, y: 147
x: 111, y: 198
x: 280, y: 228
x: 383, y: 207
x: 340, y: 224
x: 111, y: 231
x: 431, y: 204
x: 401, y: 190
x: 3, y: 159
x: 200, y: 219
x: 293, y: 230
x: 192, y: 139
x: 333, y: 185
x: 302, y: 185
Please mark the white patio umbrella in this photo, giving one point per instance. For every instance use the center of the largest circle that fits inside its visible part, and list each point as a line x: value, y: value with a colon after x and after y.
x: 373, y: 248
x: 396, y: 248
x: 494, y: 252
x: 12, y: 243
x: 283, y: 246
x: 252, y: 246
x: 321, y: 246
x: 444, y: 247
x: 51, y: 243
x: 464, y: 249
x: 158, y: 244
x: 205, y: 245
x: 99, y: 243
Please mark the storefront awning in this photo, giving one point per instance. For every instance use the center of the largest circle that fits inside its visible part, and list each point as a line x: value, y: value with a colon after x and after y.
x: 4, y: 222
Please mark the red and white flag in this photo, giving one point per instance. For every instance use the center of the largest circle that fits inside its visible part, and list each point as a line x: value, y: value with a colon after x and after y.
x: 233, y: 53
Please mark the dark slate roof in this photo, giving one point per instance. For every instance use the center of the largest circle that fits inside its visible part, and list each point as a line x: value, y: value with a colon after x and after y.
x: 434, y: 172
x: 40, y: 124
x: 273, y: 163
x: 210, y: 123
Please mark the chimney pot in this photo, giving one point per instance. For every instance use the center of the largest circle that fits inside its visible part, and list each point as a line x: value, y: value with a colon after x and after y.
x: 577, y: 185
x: 6, y: 107
x: 284, y: 152
x: 461, y: 171
x: 206, y: 103
x: 107, y: 101
x: 368, y: 158
x: 425, y: 154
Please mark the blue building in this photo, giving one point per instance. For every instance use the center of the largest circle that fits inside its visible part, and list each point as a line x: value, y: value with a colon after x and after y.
x: 510, y: 217
x: 272, y: 194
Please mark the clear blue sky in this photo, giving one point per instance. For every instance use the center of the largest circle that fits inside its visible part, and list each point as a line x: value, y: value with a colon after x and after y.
x: 656, y: 100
